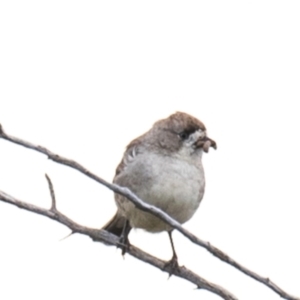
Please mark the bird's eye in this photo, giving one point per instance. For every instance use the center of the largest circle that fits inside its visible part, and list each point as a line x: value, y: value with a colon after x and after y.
x: 183, y: 135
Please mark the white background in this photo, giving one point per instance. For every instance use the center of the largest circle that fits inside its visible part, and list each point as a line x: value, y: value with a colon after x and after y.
x: 83, y: 78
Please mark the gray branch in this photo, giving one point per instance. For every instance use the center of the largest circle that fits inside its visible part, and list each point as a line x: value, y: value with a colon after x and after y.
x: 110, y: 239
x: 151, y: 209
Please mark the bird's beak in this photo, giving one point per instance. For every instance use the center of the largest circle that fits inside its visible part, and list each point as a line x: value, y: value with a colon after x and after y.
x: 205, y: 143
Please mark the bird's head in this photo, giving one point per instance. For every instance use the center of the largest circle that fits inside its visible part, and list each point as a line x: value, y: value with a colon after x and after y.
x: 181, y: 131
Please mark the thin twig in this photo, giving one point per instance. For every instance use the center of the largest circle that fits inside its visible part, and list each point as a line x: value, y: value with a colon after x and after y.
x: 108, y: 238
x: 153, y: 210
x: 51, y: 189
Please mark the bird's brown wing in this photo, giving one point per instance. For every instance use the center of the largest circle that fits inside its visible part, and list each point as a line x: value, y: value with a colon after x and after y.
x: 116, y: 224
x: 132, y: 150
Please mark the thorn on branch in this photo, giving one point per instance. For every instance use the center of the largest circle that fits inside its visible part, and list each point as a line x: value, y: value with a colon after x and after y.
x: 71, y: 233
x: 53, y: 205
x: 1, y: 130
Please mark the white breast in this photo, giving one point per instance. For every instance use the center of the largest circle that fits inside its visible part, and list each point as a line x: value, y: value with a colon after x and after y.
x: 171, y: 183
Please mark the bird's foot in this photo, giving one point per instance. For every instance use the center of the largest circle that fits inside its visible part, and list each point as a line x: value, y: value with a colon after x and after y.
x: 171, y: 265
x: 124, y: 241
x: 123, y: 244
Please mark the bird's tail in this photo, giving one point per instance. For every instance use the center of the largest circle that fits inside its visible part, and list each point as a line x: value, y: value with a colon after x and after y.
x: 115, y: 225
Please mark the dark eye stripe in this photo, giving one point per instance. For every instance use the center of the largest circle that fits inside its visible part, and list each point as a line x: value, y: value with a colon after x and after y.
x: 186, y: 133
x: 183, y: 135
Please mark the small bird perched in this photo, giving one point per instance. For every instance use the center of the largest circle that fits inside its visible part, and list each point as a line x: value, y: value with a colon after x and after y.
x: 163, y: 168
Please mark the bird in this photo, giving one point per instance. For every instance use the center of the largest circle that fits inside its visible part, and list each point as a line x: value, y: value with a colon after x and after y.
x: 163, y: 167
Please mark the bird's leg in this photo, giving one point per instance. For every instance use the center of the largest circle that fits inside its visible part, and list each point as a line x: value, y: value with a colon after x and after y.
x: 124, y: 241
x: 173, y: 263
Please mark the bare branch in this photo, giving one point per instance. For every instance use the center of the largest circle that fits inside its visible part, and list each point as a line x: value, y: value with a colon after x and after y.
x: 151, y: 209
x: 108, y: 238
